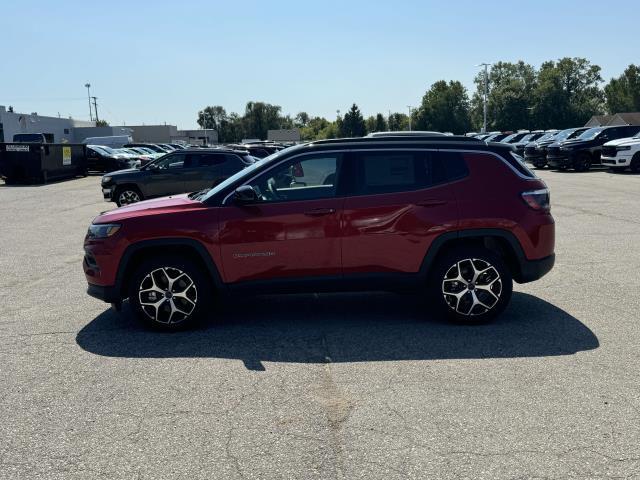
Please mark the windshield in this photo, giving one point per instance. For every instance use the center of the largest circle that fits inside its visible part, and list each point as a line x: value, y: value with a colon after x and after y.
x: 508, y: 138
x: 548, y: 136
x: 246, y: 171
x: 591, y: 133
x: 529, y: 137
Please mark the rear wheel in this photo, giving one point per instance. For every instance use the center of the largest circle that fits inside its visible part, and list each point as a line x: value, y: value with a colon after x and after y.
x: 127, y: 195
x: 169, y: 293
x: 471, y: 285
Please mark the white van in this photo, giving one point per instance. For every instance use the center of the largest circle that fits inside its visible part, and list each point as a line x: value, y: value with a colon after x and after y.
x: 114, y: 141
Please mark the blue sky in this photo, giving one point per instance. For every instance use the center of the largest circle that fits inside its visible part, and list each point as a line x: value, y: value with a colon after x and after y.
x: 156, y: 62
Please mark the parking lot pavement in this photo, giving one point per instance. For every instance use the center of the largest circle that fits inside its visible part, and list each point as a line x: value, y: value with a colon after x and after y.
x: 323, y: 386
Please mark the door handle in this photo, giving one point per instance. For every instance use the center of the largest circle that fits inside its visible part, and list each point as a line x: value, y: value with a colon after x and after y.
x: 431, y: 202
x: 317, y: 212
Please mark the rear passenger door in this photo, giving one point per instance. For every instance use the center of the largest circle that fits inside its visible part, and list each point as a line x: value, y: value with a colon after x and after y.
x: 400, y: 204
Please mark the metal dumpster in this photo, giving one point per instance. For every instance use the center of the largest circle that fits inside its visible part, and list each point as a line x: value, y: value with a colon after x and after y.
x: 41, y: 162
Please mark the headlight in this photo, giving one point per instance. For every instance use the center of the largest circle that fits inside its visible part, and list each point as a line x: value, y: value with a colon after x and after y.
x: 106, y: 179
x: 623, y: 148
x: 102, y: 230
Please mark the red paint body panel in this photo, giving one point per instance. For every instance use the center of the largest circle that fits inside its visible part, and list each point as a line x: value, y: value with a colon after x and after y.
x: 171, y: 217
x: 391, y: 232
x: 483, y: 207
x: 280, y: 240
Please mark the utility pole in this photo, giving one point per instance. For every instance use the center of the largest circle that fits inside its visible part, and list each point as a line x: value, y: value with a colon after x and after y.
x: 409, y: 107
x: 95, y: 106
x: 486, y: 93
x: 88, y: 86
x: 389, y: 121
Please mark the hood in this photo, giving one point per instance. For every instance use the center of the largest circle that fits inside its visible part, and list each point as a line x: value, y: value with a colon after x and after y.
x: 156, y: 206
x: 622, y: 141
x: 121, y: 172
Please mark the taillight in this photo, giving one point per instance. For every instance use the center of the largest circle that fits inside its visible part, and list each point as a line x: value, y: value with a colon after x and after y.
x: 539, y: 200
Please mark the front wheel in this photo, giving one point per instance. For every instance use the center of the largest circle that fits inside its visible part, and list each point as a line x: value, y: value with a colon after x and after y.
x: 471, y: 285
x: 169, y: 294
x: 127, y: 196
x: 635, y: 163
x: 582, y: 163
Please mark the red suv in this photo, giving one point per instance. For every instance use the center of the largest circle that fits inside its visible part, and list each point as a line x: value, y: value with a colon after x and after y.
x: 453, y: 217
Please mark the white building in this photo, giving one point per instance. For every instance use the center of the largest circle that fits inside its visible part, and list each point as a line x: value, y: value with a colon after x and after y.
x: 60, y: 129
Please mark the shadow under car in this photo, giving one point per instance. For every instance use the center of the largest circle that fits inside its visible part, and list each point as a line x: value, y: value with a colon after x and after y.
x: 363, y: 327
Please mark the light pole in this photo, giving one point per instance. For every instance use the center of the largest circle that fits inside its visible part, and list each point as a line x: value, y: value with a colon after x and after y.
x: 88, y: 86
x: 486, y: 91
x: 409, y: 107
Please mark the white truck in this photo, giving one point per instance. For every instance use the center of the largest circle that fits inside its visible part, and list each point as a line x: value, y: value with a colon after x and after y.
x: 622, y: 153
x: 114, y: 141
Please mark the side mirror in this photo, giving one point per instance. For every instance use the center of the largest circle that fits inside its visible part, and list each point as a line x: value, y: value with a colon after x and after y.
x: 245, y: 194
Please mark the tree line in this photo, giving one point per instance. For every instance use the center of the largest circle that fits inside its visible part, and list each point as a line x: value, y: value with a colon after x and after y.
x: 560, y: 94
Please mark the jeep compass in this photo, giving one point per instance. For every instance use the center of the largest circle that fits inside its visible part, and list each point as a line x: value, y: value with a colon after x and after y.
x: 454, y: 218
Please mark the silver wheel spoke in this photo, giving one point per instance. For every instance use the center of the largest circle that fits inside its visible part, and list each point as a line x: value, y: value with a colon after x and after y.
x: 477, y: 294
x: 160, y: 302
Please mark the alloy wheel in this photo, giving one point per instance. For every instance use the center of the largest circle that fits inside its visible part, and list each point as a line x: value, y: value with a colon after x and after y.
x: 168, y: 295
x: 472, y: 287
x: 128, y: 196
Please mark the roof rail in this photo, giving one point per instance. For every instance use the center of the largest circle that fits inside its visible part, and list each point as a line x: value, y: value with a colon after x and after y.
x: 400, y: 138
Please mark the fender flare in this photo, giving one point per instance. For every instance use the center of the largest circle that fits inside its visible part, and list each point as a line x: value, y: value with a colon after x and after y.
x: 168, y: 242
x: 439, y: 243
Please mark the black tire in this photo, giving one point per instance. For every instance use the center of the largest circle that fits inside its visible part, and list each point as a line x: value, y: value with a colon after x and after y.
x: 635, y: 163
x: 461, y: 308
x: 582, y: 163
x: 539, y: 165
x: 172, y: 313
x: 129, y: 191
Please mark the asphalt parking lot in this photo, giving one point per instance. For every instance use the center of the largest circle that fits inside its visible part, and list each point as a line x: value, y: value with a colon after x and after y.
x: 323, y: 386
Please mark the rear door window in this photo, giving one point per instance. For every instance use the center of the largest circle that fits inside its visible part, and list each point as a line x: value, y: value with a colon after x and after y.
x: 397, y: 171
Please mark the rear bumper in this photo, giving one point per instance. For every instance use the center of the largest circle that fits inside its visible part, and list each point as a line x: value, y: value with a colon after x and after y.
x: 531, y: 270
x: 107, y: 294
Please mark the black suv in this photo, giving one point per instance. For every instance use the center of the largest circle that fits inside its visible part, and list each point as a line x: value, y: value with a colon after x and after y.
x: 536, y: 152
x: 177, y: 172
x: 584, y: 151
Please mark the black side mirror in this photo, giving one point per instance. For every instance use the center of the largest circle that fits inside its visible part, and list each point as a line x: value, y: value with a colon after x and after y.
x: 245, y: 194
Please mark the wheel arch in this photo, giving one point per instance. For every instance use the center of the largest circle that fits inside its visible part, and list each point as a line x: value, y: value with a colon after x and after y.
x: 137, y: 252
x: 499, y: 241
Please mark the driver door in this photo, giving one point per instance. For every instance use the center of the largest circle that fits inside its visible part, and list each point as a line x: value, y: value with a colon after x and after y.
x: 167, y: 176
x: 293, y: 230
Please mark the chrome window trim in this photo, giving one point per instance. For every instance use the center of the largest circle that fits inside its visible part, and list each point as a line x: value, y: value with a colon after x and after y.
x: 408, y: 149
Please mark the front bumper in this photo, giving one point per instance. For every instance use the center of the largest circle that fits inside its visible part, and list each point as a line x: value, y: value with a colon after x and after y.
x: 617, y: 161
x: 535, y: 158
x: 560, y: 161
x: 107, y: 193
x: 107, y: 294
x: 531, y: 270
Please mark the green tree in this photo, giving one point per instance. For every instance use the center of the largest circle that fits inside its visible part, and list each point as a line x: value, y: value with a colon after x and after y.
x: 623, y: 93
x: 259, y: 117
x: 567, y: 93
x: 510, y: 96
x: 353, y: 124
x: 102, y: 123
x: 381, y: 124
x: 313, y: 128
x: 215, y: 118
x: 444, y: 108
x: 302, y: 119
x: 398, y: 122
x: 370, y: 123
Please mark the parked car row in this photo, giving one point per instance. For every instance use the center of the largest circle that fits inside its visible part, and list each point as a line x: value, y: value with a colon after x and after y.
x: 579, y: 149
